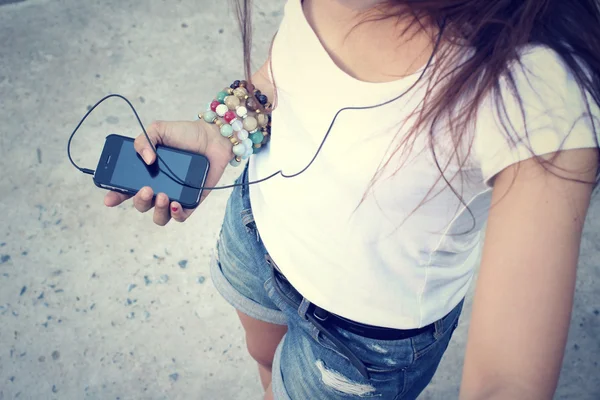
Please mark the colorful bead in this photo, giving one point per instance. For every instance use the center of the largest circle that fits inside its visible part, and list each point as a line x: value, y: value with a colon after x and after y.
x: 229, y: 116
x: 226, y: 130
x: 237, y: 125
x: 221, y: 96
x: 241, y: 92
x: 262, y: 119
x: 242, y: 134
x: 252, y: 104
x: 257, y: 137
x: 232, y: 102
x: 239, y: 150
x: 250, y: 124
x: 221, y: 110
x: 209, y: 116
x: 241, y: 111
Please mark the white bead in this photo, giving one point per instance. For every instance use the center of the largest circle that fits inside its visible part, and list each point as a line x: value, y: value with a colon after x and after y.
x: 239, y: 149
x: 241, y: 111
x: 242, y: 134
x: 249, y: 152
x: 221, y: 110
x: 237, y: 125
x: 248, y: 143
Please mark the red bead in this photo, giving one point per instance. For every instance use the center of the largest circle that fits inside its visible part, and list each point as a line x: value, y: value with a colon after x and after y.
x: 214, y: 105
x: 229, y: 116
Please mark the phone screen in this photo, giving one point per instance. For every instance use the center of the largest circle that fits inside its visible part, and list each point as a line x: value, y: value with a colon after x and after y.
x: 133, y: 173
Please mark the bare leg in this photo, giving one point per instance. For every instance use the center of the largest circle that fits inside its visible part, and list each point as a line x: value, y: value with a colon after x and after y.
x: 269, y: 393
x: 262, y: 339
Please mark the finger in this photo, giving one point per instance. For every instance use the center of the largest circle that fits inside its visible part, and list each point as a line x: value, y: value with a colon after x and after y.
x: 162, y: 214
x: 143, y: 147
x: 113, y: 199
x: 188, y: 212
x: 177, y: 212
x: 142, y: 201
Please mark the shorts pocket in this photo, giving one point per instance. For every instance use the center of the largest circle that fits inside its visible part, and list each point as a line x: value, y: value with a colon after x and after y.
x: 380, y: 357
x: 248, y: 221
x: 273, y: 295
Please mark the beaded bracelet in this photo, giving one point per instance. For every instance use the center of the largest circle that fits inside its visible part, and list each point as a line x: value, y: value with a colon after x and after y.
x: 244, y: 119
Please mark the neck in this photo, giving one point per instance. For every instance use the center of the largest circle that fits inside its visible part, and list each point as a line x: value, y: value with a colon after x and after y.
x: 368, y: 44
x: 359, y: 5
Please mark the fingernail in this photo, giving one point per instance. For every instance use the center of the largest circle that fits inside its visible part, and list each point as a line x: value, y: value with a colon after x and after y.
x: 147, y: 155
x: 145, y: 195
x: 174, y: 209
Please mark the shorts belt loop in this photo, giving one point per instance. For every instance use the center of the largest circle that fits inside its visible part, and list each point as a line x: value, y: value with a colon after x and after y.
x: 303, y: 308
x: 438, y: 328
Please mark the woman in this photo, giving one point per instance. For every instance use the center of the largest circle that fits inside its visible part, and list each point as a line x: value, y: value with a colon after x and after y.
x: 349, y: 278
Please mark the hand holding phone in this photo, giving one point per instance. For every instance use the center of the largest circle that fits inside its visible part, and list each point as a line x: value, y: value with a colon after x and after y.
x: 195, y: 137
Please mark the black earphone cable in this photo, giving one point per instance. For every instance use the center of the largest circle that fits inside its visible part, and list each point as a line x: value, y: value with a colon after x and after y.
x: 182, y: 182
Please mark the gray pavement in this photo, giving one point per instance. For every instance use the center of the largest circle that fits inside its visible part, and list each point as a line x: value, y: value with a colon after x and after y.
x: 102, y: 304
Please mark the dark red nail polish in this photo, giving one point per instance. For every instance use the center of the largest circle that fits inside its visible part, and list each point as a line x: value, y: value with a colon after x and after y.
x: 174, y: 208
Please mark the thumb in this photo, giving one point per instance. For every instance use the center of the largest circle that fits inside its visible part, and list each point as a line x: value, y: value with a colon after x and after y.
x: 144, y: 148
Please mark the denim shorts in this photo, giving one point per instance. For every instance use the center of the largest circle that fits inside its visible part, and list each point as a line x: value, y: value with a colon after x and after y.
x: 307, y: 364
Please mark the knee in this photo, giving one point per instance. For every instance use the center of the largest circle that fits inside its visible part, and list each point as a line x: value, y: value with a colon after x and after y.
x: 263, y: 355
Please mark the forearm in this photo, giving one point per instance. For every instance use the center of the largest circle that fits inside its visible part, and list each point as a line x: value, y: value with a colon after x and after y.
x: 503, y: 391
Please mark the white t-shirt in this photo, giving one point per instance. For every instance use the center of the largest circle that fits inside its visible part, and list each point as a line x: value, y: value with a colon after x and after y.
x: 370, y: 263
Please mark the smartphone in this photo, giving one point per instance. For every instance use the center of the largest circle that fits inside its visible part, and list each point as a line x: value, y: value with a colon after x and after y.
x: 122, y: 169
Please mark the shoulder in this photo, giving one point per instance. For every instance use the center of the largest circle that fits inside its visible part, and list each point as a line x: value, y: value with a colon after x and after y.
x: 538, y: 108
x: 541, y: 75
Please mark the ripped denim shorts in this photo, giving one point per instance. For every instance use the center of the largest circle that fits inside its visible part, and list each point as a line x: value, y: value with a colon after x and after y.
x: 309, y: 363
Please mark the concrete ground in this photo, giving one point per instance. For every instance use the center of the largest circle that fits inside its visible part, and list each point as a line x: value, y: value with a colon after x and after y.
x: 102, y: 304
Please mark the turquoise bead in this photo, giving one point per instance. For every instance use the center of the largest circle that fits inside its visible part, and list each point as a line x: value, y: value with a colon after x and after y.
x: 209, y: 116
x: 226, y: 130
x: 221, y: 97
x: 234, y: 163
x: 257, y: 137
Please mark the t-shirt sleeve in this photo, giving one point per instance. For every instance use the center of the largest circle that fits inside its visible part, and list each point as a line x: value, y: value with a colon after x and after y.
x: 554, y: 115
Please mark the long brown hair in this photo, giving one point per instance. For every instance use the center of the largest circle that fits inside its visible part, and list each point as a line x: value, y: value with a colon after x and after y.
x: 494, y: 32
